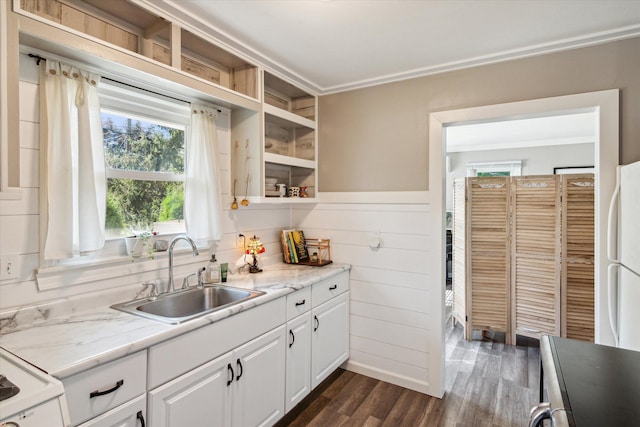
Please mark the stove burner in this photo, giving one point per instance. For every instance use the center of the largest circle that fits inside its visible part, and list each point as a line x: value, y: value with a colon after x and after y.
x: 7, y: 388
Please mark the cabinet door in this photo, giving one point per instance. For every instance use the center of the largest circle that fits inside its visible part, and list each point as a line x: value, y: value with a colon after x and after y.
x: 258, y: 385
x: 130, y: 414
x: 200, y: 397
x: 298, y: 378
x: 330, y: 337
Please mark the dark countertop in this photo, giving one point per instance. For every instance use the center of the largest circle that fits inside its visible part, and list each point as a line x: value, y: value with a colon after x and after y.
x: 600, y: 385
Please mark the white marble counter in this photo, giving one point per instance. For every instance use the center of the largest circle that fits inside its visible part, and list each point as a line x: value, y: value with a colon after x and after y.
x: 67, y: 337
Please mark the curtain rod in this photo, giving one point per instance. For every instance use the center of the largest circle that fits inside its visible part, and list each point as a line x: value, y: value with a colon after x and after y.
x: 39, y: 58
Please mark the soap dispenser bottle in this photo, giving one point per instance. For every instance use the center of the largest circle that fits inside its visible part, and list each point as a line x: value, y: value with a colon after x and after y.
x: 213, y: 271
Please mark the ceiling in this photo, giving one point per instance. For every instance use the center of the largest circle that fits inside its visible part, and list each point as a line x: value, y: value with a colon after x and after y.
x: 336, y: 45
x: 564, y: 129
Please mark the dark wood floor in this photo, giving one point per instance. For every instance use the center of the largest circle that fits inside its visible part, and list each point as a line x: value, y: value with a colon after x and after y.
x: 487, y: 384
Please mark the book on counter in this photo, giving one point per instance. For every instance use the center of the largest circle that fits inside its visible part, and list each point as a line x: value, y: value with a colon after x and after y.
x: 294, y: 247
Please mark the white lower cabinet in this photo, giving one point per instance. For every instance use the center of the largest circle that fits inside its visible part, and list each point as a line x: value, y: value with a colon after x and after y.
x: 330, y: 337
x: 266, y: 360
x: 244, y: 387
x: 298, y: 382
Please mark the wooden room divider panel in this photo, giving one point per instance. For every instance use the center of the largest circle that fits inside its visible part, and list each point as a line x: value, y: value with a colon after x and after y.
x: 535, y: 255
x: 487, y: 273
x: 578, y: 298
x: 523, y: 252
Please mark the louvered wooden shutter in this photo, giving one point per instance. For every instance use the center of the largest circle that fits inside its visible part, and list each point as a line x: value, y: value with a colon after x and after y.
x: 488, y: 249
x: 535, y: 256
x: 577, y: 257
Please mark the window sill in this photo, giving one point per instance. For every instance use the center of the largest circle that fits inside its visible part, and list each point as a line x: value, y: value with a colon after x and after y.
x: 111, y: 268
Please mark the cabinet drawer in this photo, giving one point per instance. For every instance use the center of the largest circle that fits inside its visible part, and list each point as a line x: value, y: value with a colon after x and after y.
x: 328, y: 288
x: 298, y: 302
x: 97, y: 390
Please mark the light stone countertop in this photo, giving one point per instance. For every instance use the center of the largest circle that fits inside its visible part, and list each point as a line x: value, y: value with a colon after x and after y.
x: 64, y: 338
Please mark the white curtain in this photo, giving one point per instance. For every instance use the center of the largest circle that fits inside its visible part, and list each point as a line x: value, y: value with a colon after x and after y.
x: 76, y: 180
x: 202, y: 207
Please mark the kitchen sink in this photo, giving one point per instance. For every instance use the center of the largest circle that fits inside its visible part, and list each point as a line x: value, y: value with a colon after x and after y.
x: 184, y: 305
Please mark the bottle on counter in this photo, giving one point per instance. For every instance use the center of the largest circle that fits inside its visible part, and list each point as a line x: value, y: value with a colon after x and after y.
x: 213, y: 271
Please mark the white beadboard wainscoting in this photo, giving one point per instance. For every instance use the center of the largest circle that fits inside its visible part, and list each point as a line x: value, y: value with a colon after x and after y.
x: 396, y: 295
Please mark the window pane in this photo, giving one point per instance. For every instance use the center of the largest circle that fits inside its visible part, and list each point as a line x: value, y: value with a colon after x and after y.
x: 139, y: 204
x: 133, y: 144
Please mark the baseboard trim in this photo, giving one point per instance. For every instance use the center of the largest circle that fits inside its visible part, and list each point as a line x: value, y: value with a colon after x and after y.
x: 390, y: 377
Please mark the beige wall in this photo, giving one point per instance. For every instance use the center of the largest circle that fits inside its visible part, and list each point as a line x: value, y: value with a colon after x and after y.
x: 376, y: 139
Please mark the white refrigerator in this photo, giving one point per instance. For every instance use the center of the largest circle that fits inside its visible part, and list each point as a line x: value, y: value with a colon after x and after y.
x: 623, y: 249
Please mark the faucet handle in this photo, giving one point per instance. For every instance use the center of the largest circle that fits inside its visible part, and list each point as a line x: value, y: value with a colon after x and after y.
x: 154, y: 288
x: 185, y: 281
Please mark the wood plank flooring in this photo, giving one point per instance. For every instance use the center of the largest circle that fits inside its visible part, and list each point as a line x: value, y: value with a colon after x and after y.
x: 488, y: 384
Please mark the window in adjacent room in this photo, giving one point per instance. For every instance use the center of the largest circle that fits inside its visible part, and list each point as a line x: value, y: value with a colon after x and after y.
x: 510, y: 168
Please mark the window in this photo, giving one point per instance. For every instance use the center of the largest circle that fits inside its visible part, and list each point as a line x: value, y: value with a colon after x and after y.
x: 144, y: 155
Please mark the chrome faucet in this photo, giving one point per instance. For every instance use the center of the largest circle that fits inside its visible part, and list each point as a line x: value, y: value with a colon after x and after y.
x: 173, y: 243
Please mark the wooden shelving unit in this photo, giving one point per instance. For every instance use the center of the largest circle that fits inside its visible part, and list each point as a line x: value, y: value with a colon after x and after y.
x: 285, y: 149
x: 139, y: 31
x: 290, y: 137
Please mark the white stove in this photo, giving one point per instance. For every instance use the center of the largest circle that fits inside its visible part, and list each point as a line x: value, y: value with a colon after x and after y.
x: 29, y: 396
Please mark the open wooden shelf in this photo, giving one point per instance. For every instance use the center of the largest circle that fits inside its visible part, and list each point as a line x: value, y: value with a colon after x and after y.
x: 137, y: 30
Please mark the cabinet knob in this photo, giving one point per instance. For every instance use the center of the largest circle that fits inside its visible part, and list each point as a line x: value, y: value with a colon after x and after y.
x: 230, y: 370
x: 315, y: 328
x: 140, y: 418
x: 332, y: 288
x: 293, y: 338
x: 240, y: 369
x: 303, y: 302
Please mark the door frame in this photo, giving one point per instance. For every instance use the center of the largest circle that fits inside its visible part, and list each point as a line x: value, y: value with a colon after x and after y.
x: 606, y: 146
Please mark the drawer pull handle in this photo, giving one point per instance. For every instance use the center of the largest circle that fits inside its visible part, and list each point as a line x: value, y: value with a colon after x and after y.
x: 230, y: 369
x: 140, y: 417
x: 315, y: 318
x: 293, y: 338
x: 102, y: 393
x: 303, y: 302
x: 240, y: 369
x: 331, y: 288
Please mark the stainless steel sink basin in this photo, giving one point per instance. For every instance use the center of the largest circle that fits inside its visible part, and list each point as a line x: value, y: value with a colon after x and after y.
x: 189, y: 304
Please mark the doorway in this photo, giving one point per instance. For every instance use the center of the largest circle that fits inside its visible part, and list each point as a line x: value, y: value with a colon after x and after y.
x: 538, y: 146
x: 605, y: 105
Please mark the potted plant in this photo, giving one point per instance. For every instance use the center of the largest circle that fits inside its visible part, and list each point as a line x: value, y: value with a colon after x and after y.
x: 140, y: 240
